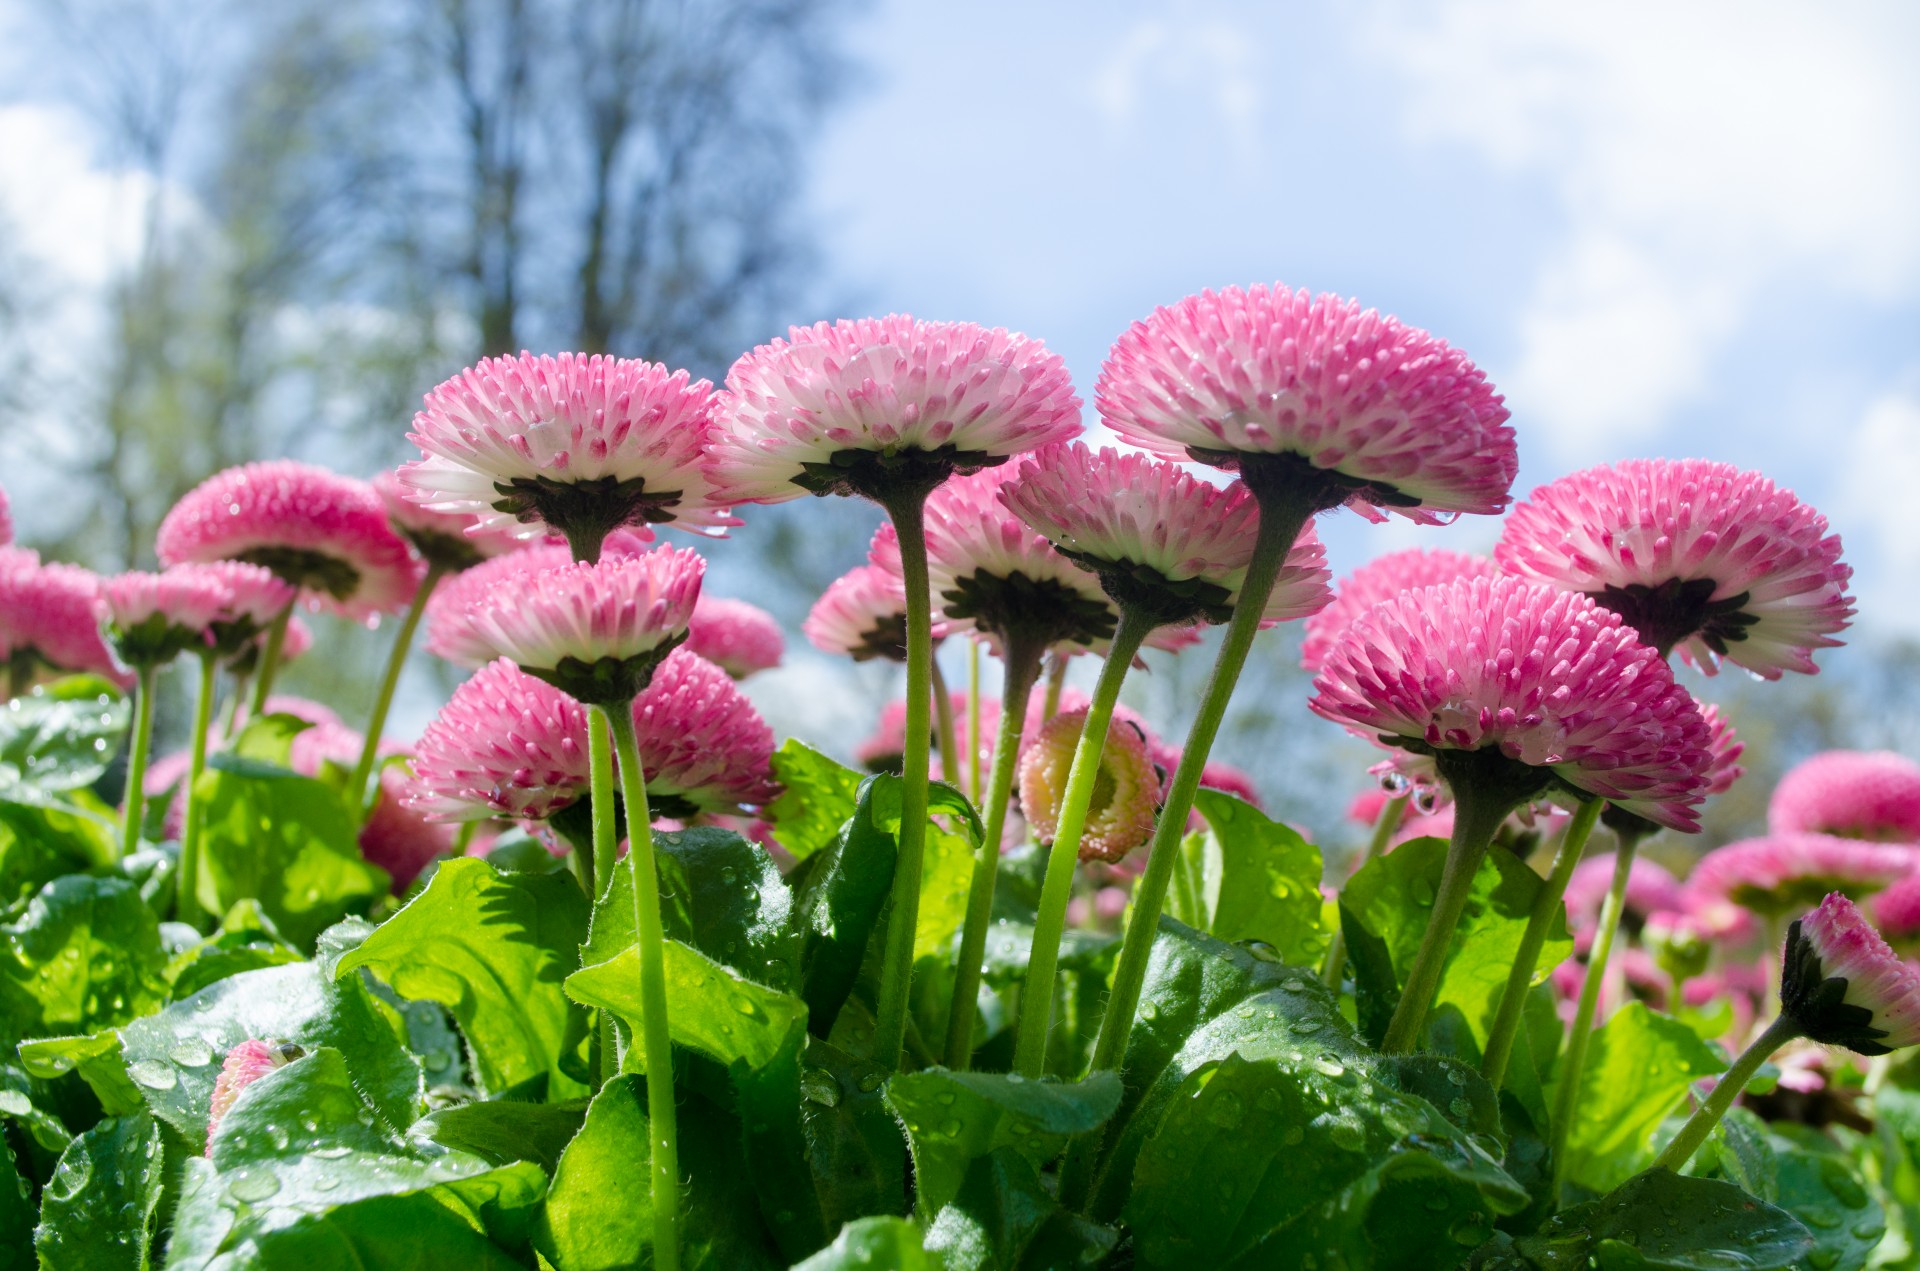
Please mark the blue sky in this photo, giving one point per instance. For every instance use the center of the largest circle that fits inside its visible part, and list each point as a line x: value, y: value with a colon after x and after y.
x: 1675, y: 230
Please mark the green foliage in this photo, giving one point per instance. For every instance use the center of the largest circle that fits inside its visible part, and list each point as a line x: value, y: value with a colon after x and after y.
x: 1385, y: 908
x: 85, y: 955
x: 711, y: 1008
x: 818, y: 798
x: 1002, y: 1217
x: 100, y: 1206
x: 494, y: 949
x: 283, y: 840
x: 1639, y: 1063
x: 16, y: 1213
x: 839, y: 905
x: 1819, y: 1186
x: 95, y: 1058
x: 875, y: 1242
x: 60, y: 737
x: 1252, y: 878
x: 41, y: 841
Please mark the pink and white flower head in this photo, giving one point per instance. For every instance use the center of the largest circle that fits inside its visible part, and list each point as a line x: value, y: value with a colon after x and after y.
x: 1157, y: 536
x: 595, y: 630
x: 1781, y: 872
x: 245, y: 1064
x: 1651, y: 889
x: 577, y: 444
x: 991, y: 574
x: 326, y: 534
x: 1697, y: 556
x: 6, y: 521
x: 251, y: 597
x: 504, y: 745
x: 450, y: 632
x: 857, y: 407
x: 50, y: 617
x: 1380, y: 579
x: 452, y: 540
x: 152, y: 618
x: 396, y: 836
x: 1726, y: 748
x: 705, y: 748
x: 1897, y: 911
x: 739, y: 638
x: 863, y: 615
x: 1386, y: 415
x: 1843, y: 986
x: 1550, y: 679
x: 1126, y: 795
x: 297, y: 644
x: 1858, y: 794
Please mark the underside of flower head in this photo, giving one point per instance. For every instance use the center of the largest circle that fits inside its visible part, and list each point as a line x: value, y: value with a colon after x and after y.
x: 1699, y: 557
x: 1381, y: 579
x: 578, y: 444
x: 1850, y: 793
x: 506, y: 744
x: 702, y: 743
x: 1843, y: 986
x: 1378, y: 414
x: 153, y: 618
x: 862, y: 614
x: 1548, y: 679
x: 449, y: 541
x: 1782, y: 873
x: 885, y: 408
x: 50, y: 619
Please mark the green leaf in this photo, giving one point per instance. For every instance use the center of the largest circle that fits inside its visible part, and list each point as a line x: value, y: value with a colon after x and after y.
x: 1202, y: 1000
x: 284, y: 840
x: 86, y: 954
x: 1264, y: 1161
x: 1392, y: 898
x: 269, y: 739
x: 1821, y: 1189
x: 1261, y: 880
x: 955, y: 1118
x: 502, y: 1133
x: 61, y: 736
x: 494, y: 949
x: 16, y: 1212
x: 1457, y: 1091
x: 96, y: 1058
x: 1737, y: 1151
x: 1639, y: 1064
x: 947, y: 873
x: 247, y: 941
x: 840, y: 904
x: 300, y: 1170
x: 41, y: 841
x: 818, y: 799
x: 855, y: 1152
x: 1660, y: 1221
x: 711, y: 1007
x: 175, y: 1056
x: 719, y: 893
x: 98, y: 1210
x: 1003, y: 1218
x: 869, y: 1243
x: 599, y: 1211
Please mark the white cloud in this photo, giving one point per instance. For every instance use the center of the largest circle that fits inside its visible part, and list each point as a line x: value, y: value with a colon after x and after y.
x: 1161, y: 64
x: 1701, y: 153
x: 1883, y: 474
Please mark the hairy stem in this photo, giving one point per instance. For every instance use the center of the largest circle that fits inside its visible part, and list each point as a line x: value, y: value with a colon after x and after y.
x: 1056, y: 681
x: 606, y: 839
x: 655, y: 1038
x: 396, y: 662
x: 973, y: 719
x: 136, y: 795
x: 270, y: 661
x: 1022, y: 669
x: 943, y: 717
x: 187, y: 887
x: 1731, y: 1083
x: 1513, y: 999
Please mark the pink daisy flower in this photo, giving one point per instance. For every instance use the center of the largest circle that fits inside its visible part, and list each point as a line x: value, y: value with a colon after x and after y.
x: 450, y: 633
x: 1126, y: 794
x: 1549, y: 678
x: 705, y: 748
x: 251, y: 597
x: 852, y: 407
x: 735, y: 636
x: 581, y: 444
x: 452, y: 540
x: 1380, y: 579
x: 325, y: 534
x: 1897, y: 910
x: 1697, y: 556
x: 245, y: 1064
x: 1850, y: 793
x: 1844, y: 987
x: 1387, y: 415
x: 50, y: 618
x: 1158, y: 536
x: 593, y: 629
x: 1784, y: 872
x: 396, y: 836
x: 884, y: 748
x: 297, y: 644
x: 506, y: 745
x: 6, y: 521
x: 1726, y: 748
x: 863, y: 615
x: 152, y: 618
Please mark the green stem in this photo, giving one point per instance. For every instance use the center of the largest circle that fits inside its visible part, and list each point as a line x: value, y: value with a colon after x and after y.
x: 606, y: 839
x: 136, y: 795
x: 1476, y: 815
x: 655, y: 1039
x: 1056, y: 681
x: 396, y: 662
x: 187, y: 888
x: 19, y: 674
x: 943, y: 717
x: 463, y: 837
x: 1049, y: 924
x: 1391, y: 814
x: 1731, y: 1083
x: 1281, y: 520
x: 1575, y: 1058
x: 237, y: 707
x: 1022, y: 658
x: 908, y: 511
x: 270, y: 661
x: 973, y: 719
x: 1513, y: 999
